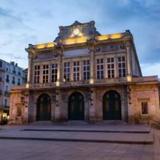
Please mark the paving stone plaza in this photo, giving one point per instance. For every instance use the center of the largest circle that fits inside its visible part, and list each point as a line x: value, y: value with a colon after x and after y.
x: 79, y: 142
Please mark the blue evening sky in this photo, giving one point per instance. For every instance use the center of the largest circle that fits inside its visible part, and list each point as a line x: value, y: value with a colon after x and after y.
x: 36, y: 21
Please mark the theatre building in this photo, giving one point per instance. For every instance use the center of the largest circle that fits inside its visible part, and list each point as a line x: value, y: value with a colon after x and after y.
x: 88, y: 76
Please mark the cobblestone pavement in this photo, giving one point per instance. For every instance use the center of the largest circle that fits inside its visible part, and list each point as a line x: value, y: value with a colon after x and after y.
x: 44, y: 150
x: 53, y: 150
x: 109, y: 133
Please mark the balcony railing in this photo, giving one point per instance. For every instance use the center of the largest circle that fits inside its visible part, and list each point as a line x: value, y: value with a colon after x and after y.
x: 81, y: 83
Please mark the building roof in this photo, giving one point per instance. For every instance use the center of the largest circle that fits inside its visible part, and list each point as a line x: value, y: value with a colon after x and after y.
x: 83, y: 40
x: 79, y: 34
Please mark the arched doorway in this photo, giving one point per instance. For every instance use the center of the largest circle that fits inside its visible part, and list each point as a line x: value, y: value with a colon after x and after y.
x: 44, y: 108
x: 111, y: 106
x: 76, y: 106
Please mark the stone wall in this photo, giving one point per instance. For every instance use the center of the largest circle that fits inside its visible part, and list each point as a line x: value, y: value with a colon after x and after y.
x: 93, y: 102
x: 18, y: 113
x: 24, y: 103
x: 143, y: 93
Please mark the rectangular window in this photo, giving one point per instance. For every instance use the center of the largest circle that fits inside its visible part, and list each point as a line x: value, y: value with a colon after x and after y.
x: 100, y: 69
x: 14, y: 70
x: 45, y: 73
x: 7, y: 78
x: 19, y: 73
x: 110, y: 67
x: 86, y: 69
x: 76, y: 71
x: 67, y: 71
x: 13, y: 80
x: 144, y: 106
x: 121, y: 66
x: 54, y: 72
x: 5, y: 102
x: 19, y: 82
x: 36, y: 73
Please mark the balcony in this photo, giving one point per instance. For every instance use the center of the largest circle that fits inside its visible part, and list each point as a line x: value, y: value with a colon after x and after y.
x: 82, y: 83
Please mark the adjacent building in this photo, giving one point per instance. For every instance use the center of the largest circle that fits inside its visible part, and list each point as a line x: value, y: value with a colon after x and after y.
x: 84, y: 75
x: 10, y: 75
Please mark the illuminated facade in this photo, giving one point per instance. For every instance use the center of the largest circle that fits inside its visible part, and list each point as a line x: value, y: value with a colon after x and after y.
x: 10, y: 75
x: 84, y: 75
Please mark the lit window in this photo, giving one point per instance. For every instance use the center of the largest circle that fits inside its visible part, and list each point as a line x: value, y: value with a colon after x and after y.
x: 144, y: 106
x: 36, y: 74
x: 86, y: 69
x: 76, y: 71
x: 67, y: 71
x: 121, y: 66
x: 54, y: 73
x: 45, y: 73
x: 110, y: 67
x: 100, y: 69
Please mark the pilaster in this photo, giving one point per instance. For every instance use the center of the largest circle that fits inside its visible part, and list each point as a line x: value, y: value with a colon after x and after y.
x: 129, y: 59
x: 60, y: 66
x: 57, y: 106
x: 92, y: 107
x: 92, y: 63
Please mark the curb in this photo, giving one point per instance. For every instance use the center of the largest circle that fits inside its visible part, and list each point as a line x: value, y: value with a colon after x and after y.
x: 78, y: 140
x: 81, y: 130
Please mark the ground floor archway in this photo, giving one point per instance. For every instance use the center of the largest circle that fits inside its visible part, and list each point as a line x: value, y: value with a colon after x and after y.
x: 76, y: 106
x: 44, y: 108
x: 111, y: 106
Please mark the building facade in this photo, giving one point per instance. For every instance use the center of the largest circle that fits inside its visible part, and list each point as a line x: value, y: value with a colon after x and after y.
x: 10, y: 75
x: 84, y: 75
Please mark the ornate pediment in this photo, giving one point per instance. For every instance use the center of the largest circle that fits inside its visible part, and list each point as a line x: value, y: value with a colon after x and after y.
x: 77, y: 29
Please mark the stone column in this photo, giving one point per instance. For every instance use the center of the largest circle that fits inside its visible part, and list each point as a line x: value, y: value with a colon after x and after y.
x: 105, y: 68
x: 31, y: 55
x: 41, y: 74
x: 53, y: 106
x: 25, y: 107
x: 130, y: 106
x: 92, y: 106
x: 29, y: 69
x: 71, y: 71
x: 92, y: 64
x: 80, y: 70
x: 49, y: 73
x: 58, y: 72
x: 116, y: 66
x: 59, y: 69
x: 129, y: 59
x: 57, y: 106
